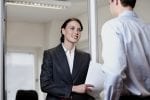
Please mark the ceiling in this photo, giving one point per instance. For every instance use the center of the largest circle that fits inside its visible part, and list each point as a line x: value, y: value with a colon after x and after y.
x: 45, y: 15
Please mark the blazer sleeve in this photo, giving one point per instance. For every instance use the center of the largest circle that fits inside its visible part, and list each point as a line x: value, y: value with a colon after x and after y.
x: 46, y: 79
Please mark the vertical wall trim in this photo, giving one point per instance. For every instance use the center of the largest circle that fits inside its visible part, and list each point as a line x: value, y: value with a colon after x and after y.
x: 1, y: 49
x: 93, y: 30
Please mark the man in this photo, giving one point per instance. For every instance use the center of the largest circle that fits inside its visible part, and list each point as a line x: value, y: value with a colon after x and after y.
x: 125, y: 51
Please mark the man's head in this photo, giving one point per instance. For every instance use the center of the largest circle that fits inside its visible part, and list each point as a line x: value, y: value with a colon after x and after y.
x: 118, y: 6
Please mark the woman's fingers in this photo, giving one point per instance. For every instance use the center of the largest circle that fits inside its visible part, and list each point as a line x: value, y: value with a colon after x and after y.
x: 89, y: 87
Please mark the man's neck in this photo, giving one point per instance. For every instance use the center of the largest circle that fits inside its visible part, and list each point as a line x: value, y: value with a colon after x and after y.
x: 122, y: 9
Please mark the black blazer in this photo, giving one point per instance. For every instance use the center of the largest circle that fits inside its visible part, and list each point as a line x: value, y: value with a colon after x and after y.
x: 56, y: 79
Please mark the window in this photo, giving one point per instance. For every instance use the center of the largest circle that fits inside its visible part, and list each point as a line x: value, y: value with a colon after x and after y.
x: 18, y: 65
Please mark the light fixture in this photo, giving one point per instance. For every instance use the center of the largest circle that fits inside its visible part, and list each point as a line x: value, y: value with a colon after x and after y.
x: 53, y: 4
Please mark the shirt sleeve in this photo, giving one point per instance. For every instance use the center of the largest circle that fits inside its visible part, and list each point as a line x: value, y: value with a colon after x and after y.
x: 114, y: 58
x: 113, y: 51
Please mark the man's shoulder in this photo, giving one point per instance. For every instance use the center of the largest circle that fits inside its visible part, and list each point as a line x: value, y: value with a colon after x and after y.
x: 112, y: 22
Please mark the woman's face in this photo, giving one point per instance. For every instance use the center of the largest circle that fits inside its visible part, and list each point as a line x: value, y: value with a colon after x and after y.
x: 72, y: 32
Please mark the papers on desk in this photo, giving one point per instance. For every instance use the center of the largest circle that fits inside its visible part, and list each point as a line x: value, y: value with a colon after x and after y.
x: 95, y: 77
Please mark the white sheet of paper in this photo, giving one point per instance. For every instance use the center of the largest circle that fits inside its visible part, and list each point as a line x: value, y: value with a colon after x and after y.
x: 95, y: 77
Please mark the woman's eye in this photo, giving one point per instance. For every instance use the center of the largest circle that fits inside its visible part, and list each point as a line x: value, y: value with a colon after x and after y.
x: 72, y: 28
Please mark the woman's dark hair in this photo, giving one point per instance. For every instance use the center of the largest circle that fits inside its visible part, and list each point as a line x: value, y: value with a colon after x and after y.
x: 65, y: 24
x: 126, y: 3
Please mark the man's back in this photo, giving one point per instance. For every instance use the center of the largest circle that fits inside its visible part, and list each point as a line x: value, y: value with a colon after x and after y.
x: 135, y: 36
x: 126, y: 50
x: 125, y: 41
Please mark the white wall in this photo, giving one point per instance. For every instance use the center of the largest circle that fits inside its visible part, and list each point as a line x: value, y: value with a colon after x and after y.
x: 84, y: 20
x: 21, y: 34
x: 52, y: 34
x: 142, y: 8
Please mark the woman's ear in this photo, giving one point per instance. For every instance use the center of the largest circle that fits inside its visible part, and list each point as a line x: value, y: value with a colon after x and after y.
x: 63, y: 31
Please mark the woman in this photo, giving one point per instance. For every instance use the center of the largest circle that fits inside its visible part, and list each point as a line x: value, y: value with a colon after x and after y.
x: 64, y: 68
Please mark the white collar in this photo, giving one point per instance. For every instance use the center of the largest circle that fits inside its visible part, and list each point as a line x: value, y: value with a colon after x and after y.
x: 66, y: 50
x: 128, y: 13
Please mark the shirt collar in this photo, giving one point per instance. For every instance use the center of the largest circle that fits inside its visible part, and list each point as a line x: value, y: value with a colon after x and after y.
x: 66, y: 50
x: 128, y: 13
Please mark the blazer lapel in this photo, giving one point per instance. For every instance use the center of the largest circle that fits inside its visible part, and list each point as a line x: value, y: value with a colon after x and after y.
x: 76, y: 65
x: 63, y: 62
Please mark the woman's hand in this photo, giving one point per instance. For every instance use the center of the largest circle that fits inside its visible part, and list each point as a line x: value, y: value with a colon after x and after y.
x: 82, y: 88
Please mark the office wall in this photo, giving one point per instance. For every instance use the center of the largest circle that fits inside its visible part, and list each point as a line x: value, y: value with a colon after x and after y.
x: 52, y: 34
x: 22, y: 34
